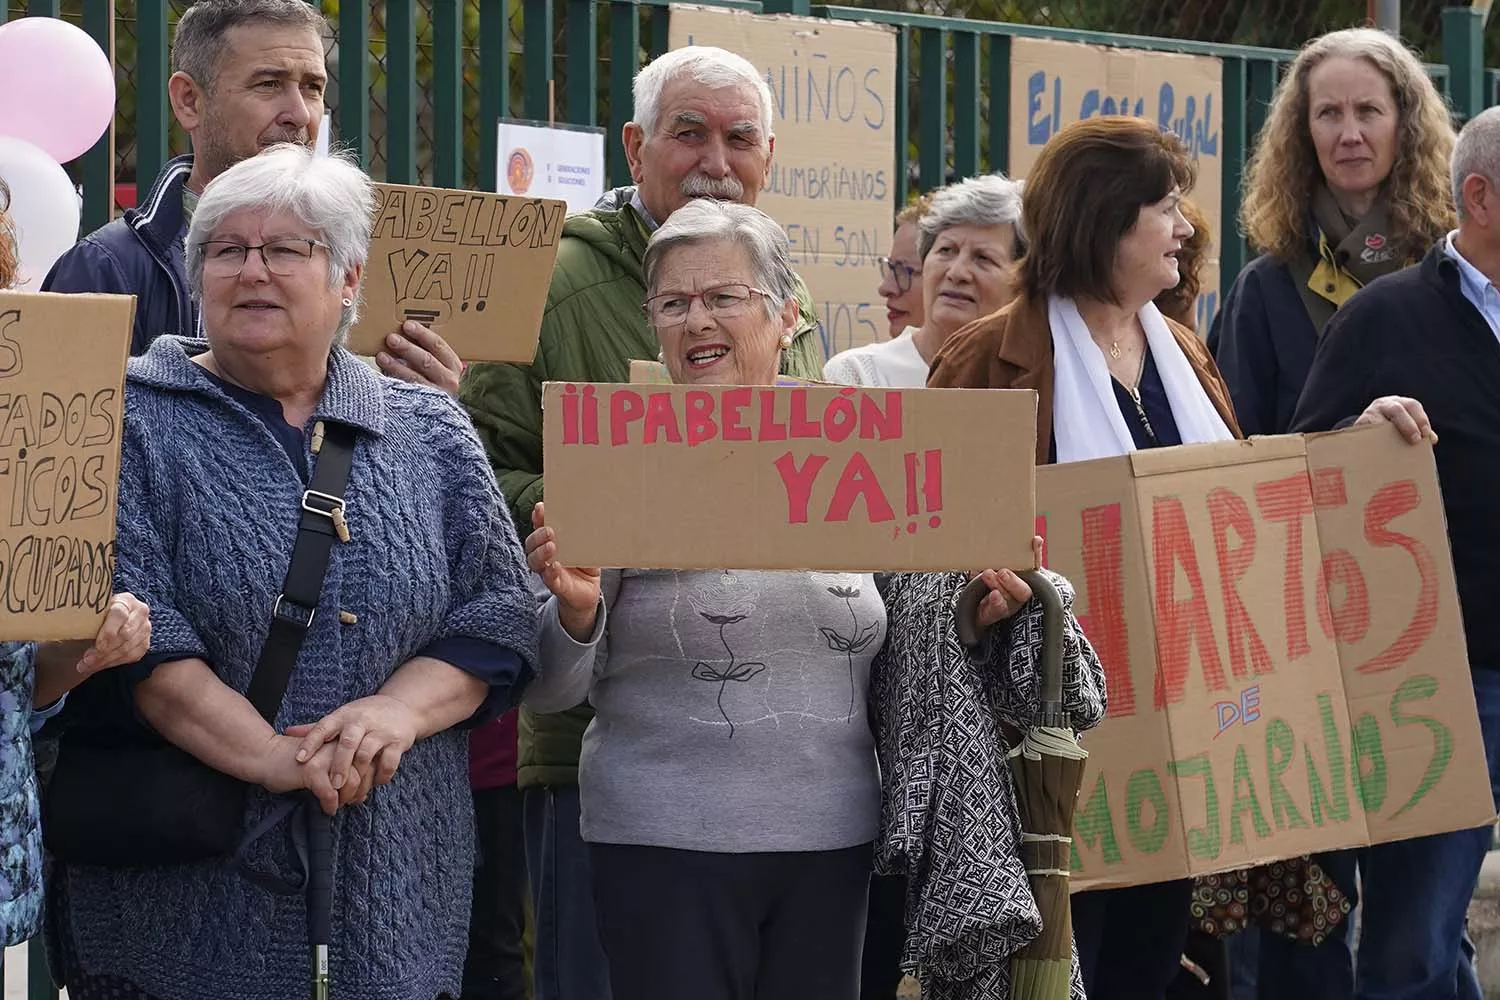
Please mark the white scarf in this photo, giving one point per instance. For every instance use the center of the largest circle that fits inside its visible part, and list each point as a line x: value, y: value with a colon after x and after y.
x: 1086, y: 419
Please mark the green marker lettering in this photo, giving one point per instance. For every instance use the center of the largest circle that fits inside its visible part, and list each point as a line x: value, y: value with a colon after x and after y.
x: 1420, y: 688
x: 1245, y: 801
x: 1204, y: 842
x: 1144, y: 787
x: 1369, y: 782
x: 1338, y: 806
x: 1281, y: 745
x: 1094, y: 826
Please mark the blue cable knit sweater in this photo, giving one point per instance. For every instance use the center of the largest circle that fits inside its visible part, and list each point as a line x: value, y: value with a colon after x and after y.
x: 208, y: 511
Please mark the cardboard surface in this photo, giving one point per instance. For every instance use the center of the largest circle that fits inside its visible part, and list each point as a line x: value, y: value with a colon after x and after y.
x: 472, y: 265
x: 1055, y: 83
x: 784, y: 477
x: 62, y: 370
x: 1238, y: 595
x: 834, y: 115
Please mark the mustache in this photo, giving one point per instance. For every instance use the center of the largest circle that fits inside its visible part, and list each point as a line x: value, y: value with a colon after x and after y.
x: 301, y: 137
x: 719, y: 188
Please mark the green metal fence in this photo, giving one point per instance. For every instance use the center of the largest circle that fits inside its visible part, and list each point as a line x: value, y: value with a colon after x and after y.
x: 417, y: 86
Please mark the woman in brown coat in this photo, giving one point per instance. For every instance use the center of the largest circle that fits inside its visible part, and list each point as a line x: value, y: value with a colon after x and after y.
x: 1113, y: 374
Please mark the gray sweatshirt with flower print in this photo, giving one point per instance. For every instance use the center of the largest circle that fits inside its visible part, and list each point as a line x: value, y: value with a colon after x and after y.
x: 729, y: 709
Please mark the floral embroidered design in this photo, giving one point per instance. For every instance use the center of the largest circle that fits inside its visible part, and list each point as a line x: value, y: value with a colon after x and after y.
x: 856, y: 642
x: 724, y: 603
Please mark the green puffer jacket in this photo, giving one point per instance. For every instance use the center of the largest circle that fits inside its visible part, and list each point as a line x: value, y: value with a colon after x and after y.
x: 592, y: 327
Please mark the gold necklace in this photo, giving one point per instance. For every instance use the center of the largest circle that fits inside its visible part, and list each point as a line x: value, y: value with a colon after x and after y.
x: 1114, y: 350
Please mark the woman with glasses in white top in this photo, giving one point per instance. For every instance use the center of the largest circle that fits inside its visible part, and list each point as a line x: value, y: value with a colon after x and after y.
x: 970, y: 237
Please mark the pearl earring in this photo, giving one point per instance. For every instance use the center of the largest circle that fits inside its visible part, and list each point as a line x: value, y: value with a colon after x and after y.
x: 786, y: 341
x: 348, y: 303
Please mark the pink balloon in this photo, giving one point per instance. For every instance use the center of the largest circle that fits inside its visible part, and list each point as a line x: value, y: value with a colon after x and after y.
x: 57, y: 89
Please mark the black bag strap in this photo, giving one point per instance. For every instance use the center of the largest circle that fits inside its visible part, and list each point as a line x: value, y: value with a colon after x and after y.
x: 321, y: 524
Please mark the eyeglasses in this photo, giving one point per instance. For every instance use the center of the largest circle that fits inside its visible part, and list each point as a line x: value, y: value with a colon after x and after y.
x: 669, y: 309
x: 225, y: 259
x: 901, y: 274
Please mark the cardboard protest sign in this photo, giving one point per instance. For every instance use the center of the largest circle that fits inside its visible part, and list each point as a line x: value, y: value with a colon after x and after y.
x: 790, y: 477
x: 833, y: 89
x: 472, y: 265
x: 1055, y: 83
x: 1285, y: 662
x: 62, y: 369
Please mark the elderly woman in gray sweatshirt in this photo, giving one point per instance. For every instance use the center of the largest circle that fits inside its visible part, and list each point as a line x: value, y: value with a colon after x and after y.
x: 731, y: 793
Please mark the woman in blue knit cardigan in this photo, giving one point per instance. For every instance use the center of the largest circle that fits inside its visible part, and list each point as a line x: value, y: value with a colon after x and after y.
x: 426, y: 621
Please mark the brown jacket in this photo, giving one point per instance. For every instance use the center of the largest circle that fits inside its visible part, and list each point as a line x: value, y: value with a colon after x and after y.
x: 1012, y: 349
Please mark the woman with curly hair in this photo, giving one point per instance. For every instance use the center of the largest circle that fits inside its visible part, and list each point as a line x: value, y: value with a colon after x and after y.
x: 1348, y: 182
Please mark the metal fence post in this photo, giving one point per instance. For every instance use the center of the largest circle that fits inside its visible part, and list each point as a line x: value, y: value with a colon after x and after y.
x: 99, y: 162
x: 494, y: 86
x: 966, y: 99
x: 932, y: 152
x: 354, y: 78
x: 400, y: 92
x: 1463, y: 51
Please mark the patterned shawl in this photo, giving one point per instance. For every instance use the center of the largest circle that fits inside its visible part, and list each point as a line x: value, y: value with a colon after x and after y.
x: 948, y: 815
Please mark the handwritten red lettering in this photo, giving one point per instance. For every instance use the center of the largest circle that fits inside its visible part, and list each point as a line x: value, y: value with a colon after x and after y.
x: 624, y: 406
x: 840, y: 418
x: 770, y: 430
x: 1180, y: 622
x: 570, y: 415
x: 878, y: 425
x: 859, y: 481
x: 1228, y: 511
x: 1290, y: 501
x: 798, y: 483
x: 735, y: 401
x: 590, y: 415
x: 661, y: 417
x: 800, y: 426
x: 1104, y: 622
x: 1389, y: 503
x: 700, y: 418
x: 1351, y: 619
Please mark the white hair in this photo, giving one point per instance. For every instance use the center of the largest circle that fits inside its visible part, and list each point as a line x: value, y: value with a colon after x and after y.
x: 1476, y: 152
x: 705, y: 220
x: 991, y: 200
x: 706, y: 65
x: 329, y: 194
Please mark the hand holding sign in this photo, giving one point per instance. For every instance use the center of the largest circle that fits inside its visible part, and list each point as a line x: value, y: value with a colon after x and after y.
x: 1008, y: 592
x: 577, y: 590
x: 1407, y: 414
x: 416, y: 354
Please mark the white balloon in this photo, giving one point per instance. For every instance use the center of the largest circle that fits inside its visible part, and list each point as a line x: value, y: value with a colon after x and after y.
x: 43, y: 206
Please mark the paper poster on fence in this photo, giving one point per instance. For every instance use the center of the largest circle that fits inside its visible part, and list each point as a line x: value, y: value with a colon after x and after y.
x: 62, y: 369
x: 833, y: 96
x: 789, y: 477
x: 1055, y: 83
x: 1279, y: 628
x: 538, y: 160
x: 473, y: 266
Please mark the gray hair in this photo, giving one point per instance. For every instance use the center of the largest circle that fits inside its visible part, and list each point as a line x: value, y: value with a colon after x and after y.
x: 991, y: 200
x: 704, y: 220
x: 706, y: 65
x: 199, y: 43
x: 1476, y: 152
x: 329, y: 194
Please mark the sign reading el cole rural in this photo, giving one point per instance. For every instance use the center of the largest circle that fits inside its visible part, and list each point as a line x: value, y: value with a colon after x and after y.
x: 62, y: 368
x: 1280, y: 633
x: 472, y: 265
x: 833, y: 100
x: 1055, y: 83
x: 789, y: 477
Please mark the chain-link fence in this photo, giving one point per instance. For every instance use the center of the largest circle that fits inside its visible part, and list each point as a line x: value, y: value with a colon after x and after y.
x: 1273, y: 23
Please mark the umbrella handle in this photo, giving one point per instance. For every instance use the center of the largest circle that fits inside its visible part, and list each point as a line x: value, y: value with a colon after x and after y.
x: 319, y: 894
x: 1051, y: 672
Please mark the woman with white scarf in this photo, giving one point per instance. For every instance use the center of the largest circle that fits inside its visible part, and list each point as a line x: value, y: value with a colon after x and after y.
x: 1113, y: 375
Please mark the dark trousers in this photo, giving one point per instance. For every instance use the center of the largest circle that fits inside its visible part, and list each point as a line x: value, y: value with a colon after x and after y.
x: 494, y: 969
x: 694, y: 925
x: 1130, y: 941
x: 885, y: 936
x: 569, y: 963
